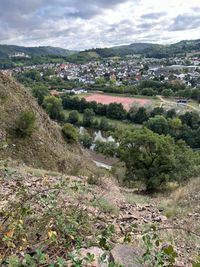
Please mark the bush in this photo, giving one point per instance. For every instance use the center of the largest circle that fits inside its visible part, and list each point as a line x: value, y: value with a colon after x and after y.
x: 40, y: 92
x: 69, y: 132
x: 88, y: 117
x: 73, y: 117
x: 53, y: 107
x: 25, y: 123
x: 86, y: 140
x: 148, y: 92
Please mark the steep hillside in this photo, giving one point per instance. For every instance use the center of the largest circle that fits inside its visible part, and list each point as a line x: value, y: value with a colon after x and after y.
x: 7, y: 50
x: 46, y: 147
x: 50, y: 219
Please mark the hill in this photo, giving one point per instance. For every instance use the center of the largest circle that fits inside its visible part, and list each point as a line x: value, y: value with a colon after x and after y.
x: 144, y: 49
x: 8, y: 50
x: 50, y: 218
x: 46, y: 147
x: 149, y: 49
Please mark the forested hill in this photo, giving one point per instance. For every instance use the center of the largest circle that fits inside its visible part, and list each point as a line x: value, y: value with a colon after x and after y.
x: 150, y: 50
x: 145, y: 49
x: 9, y: 50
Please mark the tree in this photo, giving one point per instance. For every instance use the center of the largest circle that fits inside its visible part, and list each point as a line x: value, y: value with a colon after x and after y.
x: 140, y: 116
x: 158, y: 124
x: 73, y: 117
x: 104, y: 125
x: 70, y: 132
x: 175, y: 126
x: 88, y: 117
x: 39, y: 93
x: 53, y: 106
x: 195, y: 94
x: 148, y: 92
x: 25, y: 123
x: 157, y: 111
x: 148, y: 157
x: 167, y: 92
x: 100, y: 81
x: 191, y: 119
x: 116, y: 111
x: 171, y: 113
x: 106, y: 148
x: 156, y: 159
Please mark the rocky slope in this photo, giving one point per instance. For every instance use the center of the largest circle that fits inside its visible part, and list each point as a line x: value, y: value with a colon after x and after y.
x: 65, y: 217
x: 45, y: 148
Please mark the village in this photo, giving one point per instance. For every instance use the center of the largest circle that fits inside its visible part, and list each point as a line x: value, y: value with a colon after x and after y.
x: 123, y: 71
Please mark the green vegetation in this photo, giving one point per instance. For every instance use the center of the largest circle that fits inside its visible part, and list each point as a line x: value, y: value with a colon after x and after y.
x: 106, y: 148
x: 25, y: 123
x: 41, y: 55
x: 45, y: 147
x: 70, y: 132
x: 49, y: 219
x: 150, y: 50
x: 185, y: 127
x: 156, y: 159
x: 113, y: 110
x: 53, y: 106
x: 86, y: 139
x: 88, y: 117
x: 73, y: 117
x: 40, y: 92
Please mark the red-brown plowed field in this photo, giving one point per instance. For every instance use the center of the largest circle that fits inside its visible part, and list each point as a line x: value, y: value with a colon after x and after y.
x: 125, y: 101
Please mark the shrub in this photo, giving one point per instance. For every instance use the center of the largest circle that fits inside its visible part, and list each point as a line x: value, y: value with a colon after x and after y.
x: 53, y: 107
x: 69, y: 132
x: 86, y: 140
x: 40, y: 92
x: 73, y: 117
x: 25, y: 123
x: 148, y: 92
x: 88, y: 117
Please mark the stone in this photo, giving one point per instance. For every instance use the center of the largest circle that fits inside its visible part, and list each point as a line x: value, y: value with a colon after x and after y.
x: 160, y: 218
x: 97, y: 252
x: 129, y: 218
x: 126, y: 255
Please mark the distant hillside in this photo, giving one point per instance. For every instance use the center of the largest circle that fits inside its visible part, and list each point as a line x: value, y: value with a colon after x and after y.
x: 145, y: 49
x: 45, y: 148
x: 149, y: 49
x: 7, y: 50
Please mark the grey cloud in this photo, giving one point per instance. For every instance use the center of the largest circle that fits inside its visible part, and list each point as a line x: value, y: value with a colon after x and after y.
x: 24, y: 16
x: 146, y: 26
x: 153, y: 15
x: 80, y: 24
x: 185, y: 21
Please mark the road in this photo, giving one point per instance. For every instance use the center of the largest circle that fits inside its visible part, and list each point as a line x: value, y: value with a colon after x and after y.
x: 163, y: 101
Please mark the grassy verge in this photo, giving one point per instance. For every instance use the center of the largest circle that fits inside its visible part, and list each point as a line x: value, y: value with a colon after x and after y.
x: 126, y: 125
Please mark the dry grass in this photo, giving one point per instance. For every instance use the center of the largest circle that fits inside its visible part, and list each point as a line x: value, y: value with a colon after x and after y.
x: 45, y: 148
x: 183, y: 200
x: 182, y: 207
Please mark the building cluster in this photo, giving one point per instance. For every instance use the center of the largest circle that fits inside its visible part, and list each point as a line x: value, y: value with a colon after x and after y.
x: 130, y: 70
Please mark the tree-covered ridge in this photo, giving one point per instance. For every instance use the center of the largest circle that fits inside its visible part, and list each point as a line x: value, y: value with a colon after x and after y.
x: 150, y: 50
x: 8, y: 50
x: 145, y: 49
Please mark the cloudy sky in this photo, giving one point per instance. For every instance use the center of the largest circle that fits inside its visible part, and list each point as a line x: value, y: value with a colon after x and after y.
x: 82, y: 24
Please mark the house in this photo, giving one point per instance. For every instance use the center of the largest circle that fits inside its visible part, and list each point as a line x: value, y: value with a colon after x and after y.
x: 76, y: 91
x: 56, y: 93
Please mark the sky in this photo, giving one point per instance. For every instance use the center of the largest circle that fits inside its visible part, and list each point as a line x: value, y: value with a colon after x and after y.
x: 84, y: 24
